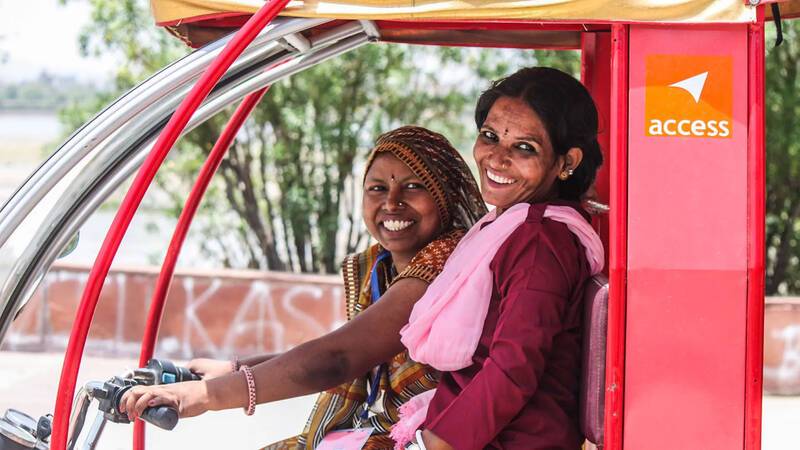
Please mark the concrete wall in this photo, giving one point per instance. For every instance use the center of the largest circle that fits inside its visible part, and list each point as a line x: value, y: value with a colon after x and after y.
x: 782, y: 345
x: 224, y: 312
x: 208, y: 313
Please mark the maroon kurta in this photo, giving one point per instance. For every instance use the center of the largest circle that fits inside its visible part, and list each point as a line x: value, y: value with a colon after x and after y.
x: 521, y: 392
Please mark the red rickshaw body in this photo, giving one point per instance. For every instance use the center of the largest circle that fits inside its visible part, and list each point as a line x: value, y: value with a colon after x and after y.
x: 680, y: 91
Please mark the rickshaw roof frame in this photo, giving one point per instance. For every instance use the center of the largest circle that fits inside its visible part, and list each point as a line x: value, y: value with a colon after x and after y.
x: 173, y: 12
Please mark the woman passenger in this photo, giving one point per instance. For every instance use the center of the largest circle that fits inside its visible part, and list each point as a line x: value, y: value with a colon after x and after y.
x: 504, y: 317
x: 419, y: 199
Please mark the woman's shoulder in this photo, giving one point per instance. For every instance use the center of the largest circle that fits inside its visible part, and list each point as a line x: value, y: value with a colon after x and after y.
x: 440, y: 248
x: 361, y: 258
x: 540, y: 244
x: 428, y: 263
x: 539, y: 229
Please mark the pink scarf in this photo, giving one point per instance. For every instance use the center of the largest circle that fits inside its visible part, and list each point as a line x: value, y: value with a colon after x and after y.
x: 446, y: 323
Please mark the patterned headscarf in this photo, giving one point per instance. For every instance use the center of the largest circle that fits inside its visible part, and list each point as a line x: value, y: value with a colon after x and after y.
x: 440, y: 169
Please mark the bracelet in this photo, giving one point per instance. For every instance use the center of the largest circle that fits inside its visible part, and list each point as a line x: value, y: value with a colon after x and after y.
x: 235, y: 363
x: 251, y: 389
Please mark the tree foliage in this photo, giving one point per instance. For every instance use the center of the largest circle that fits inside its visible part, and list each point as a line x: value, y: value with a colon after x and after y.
x: 783, y: 164
x: 287, y: 195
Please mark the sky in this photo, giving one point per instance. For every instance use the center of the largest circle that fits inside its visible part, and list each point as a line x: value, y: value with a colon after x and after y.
x: 42, y: 35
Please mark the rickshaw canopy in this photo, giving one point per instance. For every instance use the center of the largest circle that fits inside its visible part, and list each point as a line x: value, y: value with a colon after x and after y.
x: 173, y: 12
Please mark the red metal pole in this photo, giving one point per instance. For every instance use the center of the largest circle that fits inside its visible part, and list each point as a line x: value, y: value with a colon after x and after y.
x: 756, y: 192
x: 596, y: 76
x: 618, y: 238
x: 588, y: 48
x: 144, y: 177
x: 179, y: 236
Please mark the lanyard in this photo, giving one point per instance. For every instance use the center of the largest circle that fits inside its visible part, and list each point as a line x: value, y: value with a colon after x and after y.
x: 376, y: 295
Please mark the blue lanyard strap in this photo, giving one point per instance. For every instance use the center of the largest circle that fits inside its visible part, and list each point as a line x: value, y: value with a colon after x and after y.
x: 374, y: 281
x: 375, y: 289
x: 374, y: 388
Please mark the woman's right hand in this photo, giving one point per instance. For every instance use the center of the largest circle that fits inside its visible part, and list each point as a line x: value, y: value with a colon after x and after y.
x: 189, y: 398
x: 209, y: 368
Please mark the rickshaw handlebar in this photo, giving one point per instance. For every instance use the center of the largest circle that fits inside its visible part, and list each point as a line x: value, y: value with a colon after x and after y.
x: 165, y: 417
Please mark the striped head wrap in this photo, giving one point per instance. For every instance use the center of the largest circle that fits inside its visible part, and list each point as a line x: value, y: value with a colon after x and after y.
x: 440, y: 168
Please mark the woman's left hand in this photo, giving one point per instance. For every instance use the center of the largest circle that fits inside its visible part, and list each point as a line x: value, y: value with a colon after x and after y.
x: 190, y: 398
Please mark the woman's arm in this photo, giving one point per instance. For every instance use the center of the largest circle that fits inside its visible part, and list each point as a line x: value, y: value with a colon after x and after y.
x: 253, y: 361
x: 369, y: 339
x: 212, y: 368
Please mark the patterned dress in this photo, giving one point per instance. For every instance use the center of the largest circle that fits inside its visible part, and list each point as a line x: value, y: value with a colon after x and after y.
x: 338, y: 408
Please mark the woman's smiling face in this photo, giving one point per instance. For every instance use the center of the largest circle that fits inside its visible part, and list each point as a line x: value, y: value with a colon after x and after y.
x: 515, y: 156
x: 398, y: 211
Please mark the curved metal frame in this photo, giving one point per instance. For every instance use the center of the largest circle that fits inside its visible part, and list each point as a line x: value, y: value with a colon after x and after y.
x: 95, y: 197
x: 167, y: 138
x: 125, y: 108
x: 124, y: 151
x: 159, y: 297
x: 120, y: 125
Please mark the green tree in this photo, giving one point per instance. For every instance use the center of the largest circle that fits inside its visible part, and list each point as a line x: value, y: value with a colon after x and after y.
x: 125, y: 30
x: 783, y: 163
x: 287, y: 194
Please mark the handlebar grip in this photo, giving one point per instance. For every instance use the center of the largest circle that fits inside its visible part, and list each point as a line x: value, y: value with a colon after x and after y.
x: 165, y: 417
x: 166, y: 372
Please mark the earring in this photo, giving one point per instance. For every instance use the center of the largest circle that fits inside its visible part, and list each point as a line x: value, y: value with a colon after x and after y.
x: 564, y: 175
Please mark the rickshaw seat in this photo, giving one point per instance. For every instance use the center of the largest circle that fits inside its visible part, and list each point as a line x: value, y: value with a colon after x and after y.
x: 593, y: 372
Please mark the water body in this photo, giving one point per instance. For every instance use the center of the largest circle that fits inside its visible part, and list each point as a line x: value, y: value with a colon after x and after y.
x: 26, y: 138
x: 34, y: 126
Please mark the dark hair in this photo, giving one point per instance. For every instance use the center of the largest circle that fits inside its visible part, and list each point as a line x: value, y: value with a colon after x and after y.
x: 567, y: 111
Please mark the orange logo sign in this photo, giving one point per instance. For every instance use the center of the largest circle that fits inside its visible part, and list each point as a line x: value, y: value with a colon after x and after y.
x: 689, y: 96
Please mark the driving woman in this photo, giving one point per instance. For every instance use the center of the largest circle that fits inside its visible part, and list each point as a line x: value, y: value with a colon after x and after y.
x: 504, y: 317
x: 419, y: 200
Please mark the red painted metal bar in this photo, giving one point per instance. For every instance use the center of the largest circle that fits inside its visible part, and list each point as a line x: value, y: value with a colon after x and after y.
x: 179, y: 236
x: 618, y: 253
x: 595, y: 75
x: 756, y: 191
x: 588, y: 48
x: 176, y: 124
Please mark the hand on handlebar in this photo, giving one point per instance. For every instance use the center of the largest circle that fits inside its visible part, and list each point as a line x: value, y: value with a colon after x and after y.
x: 189, y: 399
x: 209, y: 368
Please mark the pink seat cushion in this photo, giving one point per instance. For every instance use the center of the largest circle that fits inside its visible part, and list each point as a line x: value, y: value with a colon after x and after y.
x: 593, y: 372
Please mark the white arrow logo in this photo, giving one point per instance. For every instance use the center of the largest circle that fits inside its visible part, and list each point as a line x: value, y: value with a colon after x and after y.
x: 693, y: 85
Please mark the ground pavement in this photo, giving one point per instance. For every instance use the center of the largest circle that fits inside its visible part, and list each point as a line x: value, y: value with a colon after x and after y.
x: 28, y: 382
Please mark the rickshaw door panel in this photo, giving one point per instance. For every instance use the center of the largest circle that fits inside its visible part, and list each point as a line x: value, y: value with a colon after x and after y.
x: 687, y: 238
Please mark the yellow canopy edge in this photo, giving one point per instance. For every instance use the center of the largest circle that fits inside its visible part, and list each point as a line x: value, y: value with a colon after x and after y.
x: 674, y: 11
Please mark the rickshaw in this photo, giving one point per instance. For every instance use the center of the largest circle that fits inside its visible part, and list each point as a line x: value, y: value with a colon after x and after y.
x: 680, y: 90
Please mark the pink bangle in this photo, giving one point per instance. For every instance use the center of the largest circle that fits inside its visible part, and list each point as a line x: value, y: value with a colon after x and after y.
x: 235, y: 364
x: 251, y: 390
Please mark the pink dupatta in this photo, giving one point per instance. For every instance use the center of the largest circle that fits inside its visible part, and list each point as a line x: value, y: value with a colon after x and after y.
x: 446, y: 323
